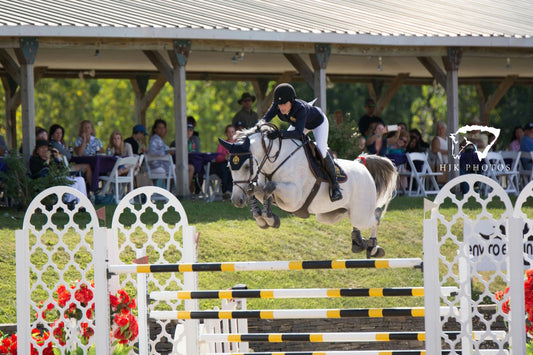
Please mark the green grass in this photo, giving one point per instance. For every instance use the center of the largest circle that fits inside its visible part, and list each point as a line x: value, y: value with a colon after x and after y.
x: 230, y: 234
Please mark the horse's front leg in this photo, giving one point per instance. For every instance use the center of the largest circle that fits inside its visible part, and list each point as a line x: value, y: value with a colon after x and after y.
x: 270, y: 218
x: 255, y: 209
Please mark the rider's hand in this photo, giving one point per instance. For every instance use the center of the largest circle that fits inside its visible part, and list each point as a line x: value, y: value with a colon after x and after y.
x: 274, y: 134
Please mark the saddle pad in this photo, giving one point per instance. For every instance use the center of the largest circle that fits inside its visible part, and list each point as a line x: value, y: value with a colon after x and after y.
x: 311, y: 152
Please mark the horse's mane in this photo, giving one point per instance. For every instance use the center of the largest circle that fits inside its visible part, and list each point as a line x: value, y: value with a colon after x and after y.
x: 260, y: 127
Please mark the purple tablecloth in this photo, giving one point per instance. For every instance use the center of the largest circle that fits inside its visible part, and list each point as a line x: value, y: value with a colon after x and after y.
x: 397, y: 159
x: 100, y: 164
x: 199, y: 160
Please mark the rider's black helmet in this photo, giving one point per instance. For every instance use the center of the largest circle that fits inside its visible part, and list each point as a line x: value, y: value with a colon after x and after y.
x: 284, y: 93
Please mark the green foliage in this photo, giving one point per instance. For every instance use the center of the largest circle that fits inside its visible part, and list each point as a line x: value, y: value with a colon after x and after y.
x: 21, y: 187
x: 344, y: 140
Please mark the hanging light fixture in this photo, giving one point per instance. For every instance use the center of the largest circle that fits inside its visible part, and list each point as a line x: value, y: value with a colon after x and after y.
x: 380, y: 63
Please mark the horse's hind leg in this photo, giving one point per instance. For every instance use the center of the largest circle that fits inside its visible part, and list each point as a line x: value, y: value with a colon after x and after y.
x: 372, y: 247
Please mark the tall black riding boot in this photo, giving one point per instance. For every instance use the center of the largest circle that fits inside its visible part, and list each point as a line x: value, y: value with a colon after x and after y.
x: 335, y: 193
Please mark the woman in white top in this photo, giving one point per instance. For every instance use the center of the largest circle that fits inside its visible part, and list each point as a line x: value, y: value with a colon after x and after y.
x: 439, y: 144
x: 118, y: 148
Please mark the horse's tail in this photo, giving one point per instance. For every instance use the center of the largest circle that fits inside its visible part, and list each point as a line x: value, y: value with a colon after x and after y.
x: 385, y: 176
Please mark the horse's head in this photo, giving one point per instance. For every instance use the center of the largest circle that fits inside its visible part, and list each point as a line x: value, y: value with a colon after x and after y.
x: 240, y: 163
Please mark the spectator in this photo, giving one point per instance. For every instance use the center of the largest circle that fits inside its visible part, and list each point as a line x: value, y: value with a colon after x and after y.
x: 516, y: 137
x: 136, y: 140
x: 42, y: 158
x: 157, y: 146
x: 377, y: 143
x: 246, y: 115
x: 195, y: 138
x: 338, y: 116
x: 439, y: 144
x: 41, y: 134
x: 117, y: 146
x: 221, y: 163
x: 416, y: 143
x: 367, y: 121
x: 86, y: 143
x: 478, y: 138
x: 3, y: 146
x: 57, y: 134
x: 239, y: 126
x: 526, y: 145
x: 401, y: 143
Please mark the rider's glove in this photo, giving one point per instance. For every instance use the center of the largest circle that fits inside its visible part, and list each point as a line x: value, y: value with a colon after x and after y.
x: 274, y: 134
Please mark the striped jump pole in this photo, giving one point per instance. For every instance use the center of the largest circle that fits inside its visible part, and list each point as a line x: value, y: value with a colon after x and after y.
x: 335, y: 337
x: 295, y: 293
x: 268, y: 265
x: 368, y: 352
x: 341, y: 352
x: 299, y: 313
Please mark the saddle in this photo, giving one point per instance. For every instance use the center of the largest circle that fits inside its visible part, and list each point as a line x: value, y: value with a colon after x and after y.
x: 315, y: 165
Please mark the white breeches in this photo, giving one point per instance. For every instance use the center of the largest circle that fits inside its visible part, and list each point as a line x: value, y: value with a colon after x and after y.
x: 321, y: 136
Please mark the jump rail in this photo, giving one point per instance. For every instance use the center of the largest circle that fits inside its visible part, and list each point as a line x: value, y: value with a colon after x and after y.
x: 295, y: 293
x: 268, y: 265
x: 300, y: 313
x: 335, y: 336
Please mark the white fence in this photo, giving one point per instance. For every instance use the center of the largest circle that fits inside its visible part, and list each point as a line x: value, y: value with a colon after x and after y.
x: 58, y: 246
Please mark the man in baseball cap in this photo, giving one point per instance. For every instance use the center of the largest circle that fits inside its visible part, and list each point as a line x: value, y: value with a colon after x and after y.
x: 137, y: 139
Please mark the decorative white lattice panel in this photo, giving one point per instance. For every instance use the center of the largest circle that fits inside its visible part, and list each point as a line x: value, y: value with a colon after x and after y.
x: 467, y: 233
x: 55, y: 251
x: 150, y: 224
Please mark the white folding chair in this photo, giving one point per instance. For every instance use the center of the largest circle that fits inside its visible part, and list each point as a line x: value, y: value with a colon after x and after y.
x: 422, y: 174
x: 512, y: 161
x: 120, y: 183
x: 161, y: 176
x: 525, y: 167
x: 497, y: 170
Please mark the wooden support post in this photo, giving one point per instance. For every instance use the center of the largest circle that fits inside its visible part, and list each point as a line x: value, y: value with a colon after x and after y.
x: 26, y: 56
x: 451, y: 63
x: 389, y: 93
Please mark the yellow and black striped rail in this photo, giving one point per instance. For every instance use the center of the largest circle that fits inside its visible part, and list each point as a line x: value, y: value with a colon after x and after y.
x: 345, y: 352
x: 291, y: 313
x: 289, y: 293
x: 269, y: 265
x: 315, y: 337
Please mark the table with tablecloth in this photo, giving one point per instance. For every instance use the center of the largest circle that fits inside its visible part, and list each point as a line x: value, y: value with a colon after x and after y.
x: 100, y: 165
x: 200, y: 160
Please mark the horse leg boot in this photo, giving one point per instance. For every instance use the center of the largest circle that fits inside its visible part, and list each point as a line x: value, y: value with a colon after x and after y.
x: 373, y: 249
x: 358, y: 242
x: 256, y: 211
x: 329, y: 166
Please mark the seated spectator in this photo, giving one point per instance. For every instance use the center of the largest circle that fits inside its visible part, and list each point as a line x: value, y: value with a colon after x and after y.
x: 42, y: 158
x: 57, y: 134
x: 157, y: 146
x: 401, y: 143
x: 239, y: 126
x: 117, y: 146
x: 526, y: 145
x: 136, y: 140
x: 439, y: 144
x: 338, y: 116
x: 86, y: 143
x: 377, y: 143
x: 416, y: 143
x: 516, y: 137
x: 221, y: 163
x: 40, y: 135
x: 478, y: 138
x: 195, y: 138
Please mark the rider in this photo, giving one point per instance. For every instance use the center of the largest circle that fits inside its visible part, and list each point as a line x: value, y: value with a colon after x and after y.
x: 303, y: 118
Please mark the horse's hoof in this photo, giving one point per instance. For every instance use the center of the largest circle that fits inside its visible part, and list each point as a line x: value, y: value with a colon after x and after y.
x: 376, y: 252
x: 261, y: 223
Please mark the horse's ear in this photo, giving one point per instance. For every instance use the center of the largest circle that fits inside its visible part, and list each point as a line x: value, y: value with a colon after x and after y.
x: 225, y: 144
